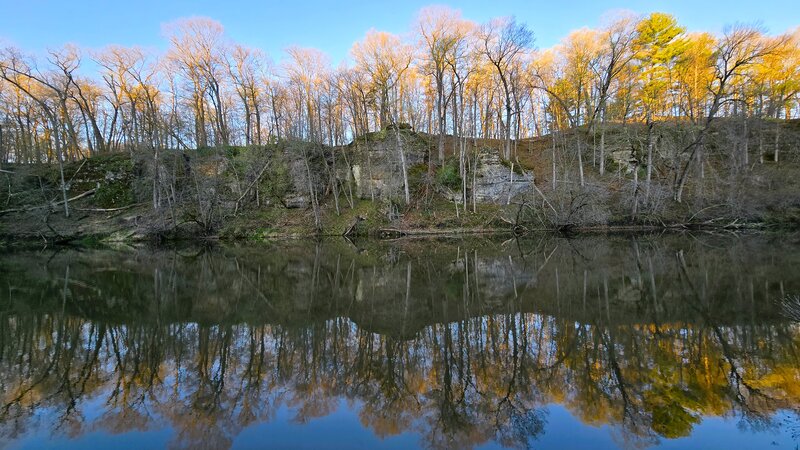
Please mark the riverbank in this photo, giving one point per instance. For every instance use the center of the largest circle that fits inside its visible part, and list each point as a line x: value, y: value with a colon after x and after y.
x: 88, y: 226
x: 293, y: 189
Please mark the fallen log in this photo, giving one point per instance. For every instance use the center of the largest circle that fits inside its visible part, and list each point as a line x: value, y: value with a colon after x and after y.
x: 122, y: 208
x: 244, y: 194
x: 49, y: 205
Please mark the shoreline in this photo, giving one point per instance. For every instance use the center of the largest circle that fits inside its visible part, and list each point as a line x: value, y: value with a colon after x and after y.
x: 133, y: 237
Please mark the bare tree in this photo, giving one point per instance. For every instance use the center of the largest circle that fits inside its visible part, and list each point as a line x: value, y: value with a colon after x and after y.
x: 51, y: 97
x: 385, y: 58
x: 739, y: 47
x: 198, y: 50
x: 503, y: 42
x: 441, y: 35
x: 615, y: 54
x: 245, y: 65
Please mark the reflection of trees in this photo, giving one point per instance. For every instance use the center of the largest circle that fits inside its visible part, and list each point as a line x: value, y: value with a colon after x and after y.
x: 458, y: 384
x: 649, y: 345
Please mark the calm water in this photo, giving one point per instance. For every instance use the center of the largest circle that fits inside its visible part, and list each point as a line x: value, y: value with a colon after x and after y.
x: 674, y: 341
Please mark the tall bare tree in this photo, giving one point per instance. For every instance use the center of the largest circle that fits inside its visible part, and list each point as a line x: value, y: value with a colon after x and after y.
x: 504, y: 41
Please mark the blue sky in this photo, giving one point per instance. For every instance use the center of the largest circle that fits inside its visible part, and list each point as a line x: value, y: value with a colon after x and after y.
x: 333, y: 26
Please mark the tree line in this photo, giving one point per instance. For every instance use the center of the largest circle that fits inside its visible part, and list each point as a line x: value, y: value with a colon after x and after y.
x: 448, y: 76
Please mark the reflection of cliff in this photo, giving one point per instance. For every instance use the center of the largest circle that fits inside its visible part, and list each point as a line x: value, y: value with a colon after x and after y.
x: 401, y: 288
x: 461, y: 344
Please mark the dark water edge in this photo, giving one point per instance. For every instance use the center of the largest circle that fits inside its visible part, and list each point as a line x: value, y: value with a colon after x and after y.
x: 684, y: 340
x: 34, y: 233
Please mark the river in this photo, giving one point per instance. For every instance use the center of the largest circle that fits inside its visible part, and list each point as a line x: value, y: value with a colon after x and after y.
x: 687, y: 340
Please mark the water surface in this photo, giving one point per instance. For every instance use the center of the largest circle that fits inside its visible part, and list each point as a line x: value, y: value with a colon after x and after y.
x: 633, y: 341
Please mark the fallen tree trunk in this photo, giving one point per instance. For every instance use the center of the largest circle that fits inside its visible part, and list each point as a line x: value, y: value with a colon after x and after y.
x: 253, y: 183
x: 122, y: 208
x: 49, y: 205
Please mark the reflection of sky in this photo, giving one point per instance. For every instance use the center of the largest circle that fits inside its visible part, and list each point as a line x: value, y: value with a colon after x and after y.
x: 563, y: 431
x: 342, y: 428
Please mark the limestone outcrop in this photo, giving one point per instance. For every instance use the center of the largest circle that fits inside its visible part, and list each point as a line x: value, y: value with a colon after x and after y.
x: 376, y: 169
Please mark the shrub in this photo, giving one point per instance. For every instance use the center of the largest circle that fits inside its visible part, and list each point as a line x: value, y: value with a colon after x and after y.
x: 514, y: 165
x: 276, y: 182
x: 114, y: 194
x: 448, y: 175
x: 399, y: 126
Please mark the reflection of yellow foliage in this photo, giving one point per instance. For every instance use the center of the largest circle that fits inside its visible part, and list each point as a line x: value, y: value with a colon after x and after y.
x: 670, y: 376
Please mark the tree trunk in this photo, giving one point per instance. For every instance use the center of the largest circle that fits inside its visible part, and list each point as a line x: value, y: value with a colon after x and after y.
x: 156, y: 173
x: 201, y: 140
x: 247, y: 123
x: 334, y: 176
x: 635, y: 190
x: 649, y: 158
x: 59, y: 158
x: 553, y: 135
x: 507, y: 150
x: 312, y: 193
x: 746, y: 141
x: 257, y: 111
x: 777, y: 138
x: 602, y: 142
x: 403, y: 164
x: 442, y: 118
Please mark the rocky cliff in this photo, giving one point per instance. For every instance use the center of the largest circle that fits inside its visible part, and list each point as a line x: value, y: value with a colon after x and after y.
x: 377, y: 172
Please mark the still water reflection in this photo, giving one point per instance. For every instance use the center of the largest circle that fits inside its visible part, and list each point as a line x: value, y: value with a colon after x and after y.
x: 681, y: 341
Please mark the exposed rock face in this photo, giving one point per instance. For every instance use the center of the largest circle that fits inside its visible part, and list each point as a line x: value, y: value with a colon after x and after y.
x: 377, y: 172
x: 497, y: 181
x: 624, y: 160
x: 376, y: 166
x: 375, y: 169
x: 295, y: 157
